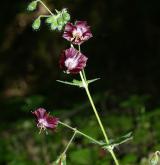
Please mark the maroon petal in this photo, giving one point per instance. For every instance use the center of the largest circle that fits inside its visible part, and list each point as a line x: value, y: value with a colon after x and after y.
x: 69, y: 27
x: 72, y: 61
x: 68, y: 36
x: 39, y: 113
x: 78, y: 33
x: 52, y: 122
x: 71, y: 52
x: 81, y: 23
x: 68, y: 31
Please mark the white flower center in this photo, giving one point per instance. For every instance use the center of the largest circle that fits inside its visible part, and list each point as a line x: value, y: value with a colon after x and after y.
x: 42, y: 123
x: 77, y: 33
x: 71, y: 63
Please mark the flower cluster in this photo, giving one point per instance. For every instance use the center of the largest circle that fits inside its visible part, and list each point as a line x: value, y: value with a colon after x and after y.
x: 73, y: 61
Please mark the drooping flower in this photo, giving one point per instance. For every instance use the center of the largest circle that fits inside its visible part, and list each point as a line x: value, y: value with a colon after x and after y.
x: 44, y: 120
x: 77, y: 33
x: 72, y: 61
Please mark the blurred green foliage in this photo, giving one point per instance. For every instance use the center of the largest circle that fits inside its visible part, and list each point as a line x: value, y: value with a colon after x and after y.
x: 22, y: 144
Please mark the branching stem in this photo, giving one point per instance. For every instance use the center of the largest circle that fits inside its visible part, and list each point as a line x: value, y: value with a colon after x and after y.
x: 69, y: 143
x: 80, y: 133
x: 85, y: 84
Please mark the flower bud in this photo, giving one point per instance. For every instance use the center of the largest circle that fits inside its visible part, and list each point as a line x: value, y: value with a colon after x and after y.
x: 65, y: 15
x: 32, y: 6
x: 36, y: 24
x: 57, y: 21
x: 54, y: 25
x: 51, y: 19
x: 59, y: 27
x: 60, y: 20
x: 154, y: 159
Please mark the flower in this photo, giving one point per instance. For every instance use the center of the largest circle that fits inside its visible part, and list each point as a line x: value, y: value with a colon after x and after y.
x: 72, y: 61
x: 44, y: 120
x: 77, y: 33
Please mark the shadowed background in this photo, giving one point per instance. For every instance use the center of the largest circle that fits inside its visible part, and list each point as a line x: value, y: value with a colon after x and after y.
x: 124, y: 52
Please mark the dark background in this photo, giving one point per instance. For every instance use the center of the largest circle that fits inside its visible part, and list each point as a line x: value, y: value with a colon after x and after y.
x: 124, y: 52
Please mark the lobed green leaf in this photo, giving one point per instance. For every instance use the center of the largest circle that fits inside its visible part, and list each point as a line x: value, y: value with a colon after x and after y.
x: 117, y: 141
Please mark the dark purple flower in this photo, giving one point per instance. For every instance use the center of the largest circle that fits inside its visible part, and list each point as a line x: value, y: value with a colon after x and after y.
x: 44, y: 120
x: 72, y: 61
x: 77, y: 33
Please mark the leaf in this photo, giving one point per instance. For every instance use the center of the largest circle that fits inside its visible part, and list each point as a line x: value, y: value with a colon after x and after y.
x: 78, y: 82
x: 93, y: 80
x: 73, y: 83
x: 66, y: 82
x: 122, y: 139
x: 61, y: 160
x: 115, y: 142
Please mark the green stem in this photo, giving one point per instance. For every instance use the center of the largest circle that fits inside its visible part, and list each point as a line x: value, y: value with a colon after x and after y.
x: 84, y: 75
x: 81, y: 133
x: 97, y: 116
x: 69, y: 143
x: 83, y: 72
x: 45, y: 7
x: 94, y: 108
x: 114, y: 157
